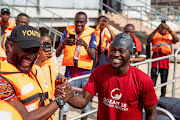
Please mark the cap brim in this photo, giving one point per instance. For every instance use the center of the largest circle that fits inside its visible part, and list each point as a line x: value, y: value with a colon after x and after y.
x: 5, y: 12
x: 29, y: 44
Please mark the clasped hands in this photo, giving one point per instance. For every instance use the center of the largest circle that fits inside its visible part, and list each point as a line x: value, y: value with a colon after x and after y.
x: 63, y: 89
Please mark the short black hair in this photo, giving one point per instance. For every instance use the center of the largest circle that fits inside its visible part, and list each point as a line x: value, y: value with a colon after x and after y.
x: 23, y: 14
x: 45, y: 34
x: 81, y: 13
x: 102, y: 17
x: 129, y: 25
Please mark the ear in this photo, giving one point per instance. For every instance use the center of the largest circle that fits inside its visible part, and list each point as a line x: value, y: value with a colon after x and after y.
x: 9, y: 47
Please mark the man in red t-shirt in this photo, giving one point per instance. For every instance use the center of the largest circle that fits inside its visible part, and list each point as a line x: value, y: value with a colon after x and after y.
x: 123, y: 90
x: 162, y: 38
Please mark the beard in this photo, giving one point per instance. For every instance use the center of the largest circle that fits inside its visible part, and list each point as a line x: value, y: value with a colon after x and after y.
x: 17, y: 63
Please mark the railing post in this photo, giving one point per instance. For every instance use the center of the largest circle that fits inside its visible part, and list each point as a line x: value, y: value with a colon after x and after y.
x: 25, y: 6
x: 61, y: 113
x: 141, y: 19
x: 52, y: 20
x: 101, y: 6
x: 54, y: 41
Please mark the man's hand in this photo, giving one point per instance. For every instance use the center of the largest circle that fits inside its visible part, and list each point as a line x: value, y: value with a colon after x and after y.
x: 97, y: 27
x: 81, y: 42
x: 68, y: 41
x: 44, y: 55
x: 64, y: 89
x: 106, y: 23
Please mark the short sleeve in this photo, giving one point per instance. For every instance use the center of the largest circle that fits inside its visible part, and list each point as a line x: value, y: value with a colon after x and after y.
x: 142, y: 53
x: 63, y: 37
x: 91, y: 85
x: 7, y: 92
x: 93, y: 43
x: 148, y: 96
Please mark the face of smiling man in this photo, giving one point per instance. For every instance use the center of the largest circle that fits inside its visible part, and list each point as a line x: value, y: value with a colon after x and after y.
x: 23, y: 47
x: 120, y: 51
x: 23, y: 59
x: 119, y: 57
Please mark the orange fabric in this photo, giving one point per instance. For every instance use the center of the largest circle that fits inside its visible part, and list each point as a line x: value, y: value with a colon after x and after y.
x: 7, y: 34
x: 105, y: 38
x: 50, y: 70
x: 85, y: 61
x: 158, y: 38
x: 6, y: 107
x: 2, y: 54
x: 10, y: 23
x: 138, y: 44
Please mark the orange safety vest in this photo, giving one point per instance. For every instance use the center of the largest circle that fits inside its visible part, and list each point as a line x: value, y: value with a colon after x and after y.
x: 162, y: 43
x: 105, y: 38
x: 2, y: 54
x: 10, y: 23
x: 8, y: 112
x: 30, y: 89
x: 50, y: 70
x: 85, y: 61
x: 6, y: 34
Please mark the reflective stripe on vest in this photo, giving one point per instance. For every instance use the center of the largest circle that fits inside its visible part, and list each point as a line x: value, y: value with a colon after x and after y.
x: 163, y: 42
x: 85, y: 61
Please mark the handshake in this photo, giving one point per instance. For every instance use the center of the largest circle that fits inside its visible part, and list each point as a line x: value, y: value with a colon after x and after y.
x: 63, y: 89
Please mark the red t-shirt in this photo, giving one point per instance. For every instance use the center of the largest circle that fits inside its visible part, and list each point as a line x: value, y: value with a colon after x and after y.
x: 121, y: 97
x: 162, y: 63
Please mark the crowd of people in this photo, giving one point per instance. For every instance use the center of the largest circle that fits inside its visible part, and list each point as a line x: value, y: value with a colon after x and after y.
x: 31, y: 88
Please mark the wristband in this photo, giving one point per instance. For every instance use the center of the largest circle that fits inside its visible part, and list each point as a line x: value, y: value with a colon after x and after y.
x: 170, y: 31
x: 87, y: 48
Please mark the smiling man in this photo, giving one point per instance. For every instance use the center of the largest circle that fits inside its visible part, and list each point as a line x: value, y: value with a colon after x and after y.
x: 79, y: 44
x: 123, y: 90
x: 21, y: 82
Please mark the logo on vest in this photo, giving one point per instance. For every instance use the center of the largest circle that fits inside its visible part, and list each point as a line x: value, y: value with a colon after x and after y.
x: 31, y: 33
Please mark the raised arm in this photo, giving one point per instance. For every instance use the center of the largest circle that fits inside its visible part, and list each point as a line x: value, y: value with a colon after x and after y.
x: 150, y: 37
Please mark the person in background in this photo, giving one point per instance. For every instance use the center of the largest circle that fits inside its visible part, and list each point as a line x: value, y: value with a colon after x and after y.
x: 139, y: 53
x: 104, y: 36
x: 47, y: 63
x: 5, y: 22
x: 162, y: 38
x: 79, y: 44
x: 22, y: 19
x: 123, y: 90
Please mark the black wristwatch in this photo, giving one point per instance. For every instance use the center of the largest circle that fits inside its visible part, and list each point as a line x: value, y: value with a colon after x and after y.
x: 59, y: 101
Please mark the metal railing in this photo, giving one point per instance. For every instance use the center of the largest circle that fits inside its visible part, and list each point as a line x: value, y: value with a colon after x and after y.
x: 153, y: 11
x: 141, y: 20
x: 163, y: 111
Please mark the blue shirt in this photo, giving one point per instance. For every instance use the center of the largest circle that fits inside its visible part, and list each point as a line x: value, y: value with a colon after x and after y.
x: 74, y: 71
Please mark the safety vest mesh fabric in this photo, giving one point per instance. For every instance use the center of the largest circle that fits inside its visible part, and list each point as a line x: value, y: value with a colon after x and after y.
x: 85, y: 61
x: 50, y: 70
x: 5, y: 107
x: 10, y: 23
x: 161, y: 43
x: 105, y: 38
x: 32, y: 93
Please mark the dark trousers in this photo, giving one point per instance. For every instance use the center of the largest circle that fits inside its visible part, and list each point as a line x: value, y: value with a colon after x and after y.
x: 164, y: 76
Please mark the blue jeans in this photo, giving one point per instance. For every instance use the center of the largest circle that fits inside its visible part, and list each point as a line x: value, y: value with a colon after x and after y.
x: 79, y: 84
